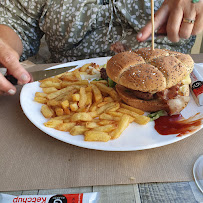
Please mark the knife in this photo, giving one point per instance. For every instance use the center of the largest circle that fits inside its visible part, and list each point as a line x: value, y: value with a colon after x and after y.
x: 42, y: 74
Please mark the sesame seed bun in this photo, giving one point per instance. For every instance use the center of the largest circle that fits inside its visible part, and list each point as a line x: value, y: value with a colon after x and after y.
x: 148, y: 71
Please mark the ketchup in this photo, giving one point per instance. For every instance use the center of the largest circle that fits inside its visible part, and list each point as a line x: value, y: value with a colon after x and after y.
x: 167, y: 125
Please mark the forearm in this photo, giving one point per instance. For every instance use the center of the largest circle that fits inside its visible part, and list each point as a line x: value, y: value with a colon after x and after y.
x: 11, y: 38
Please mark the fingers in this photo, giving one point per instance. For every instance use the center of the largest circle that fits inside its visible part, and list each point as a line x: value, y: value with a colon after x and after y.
x: 10, y: 60
x: 186, y: 27
x: 198, y: 26
x: 172, y: 13
x: 159, y: 20
x: 173, y: 25
x: 6, y: 86
x: 162, y: 29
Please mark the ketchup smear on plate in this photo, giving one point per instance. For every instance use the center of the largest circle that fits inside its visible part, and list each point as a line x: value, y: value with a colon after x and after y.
x: 176, y: 124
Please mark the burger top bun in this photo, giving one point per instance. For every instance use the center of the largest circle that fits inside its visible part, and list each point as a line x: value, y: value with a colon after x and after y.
x: 149, y: 71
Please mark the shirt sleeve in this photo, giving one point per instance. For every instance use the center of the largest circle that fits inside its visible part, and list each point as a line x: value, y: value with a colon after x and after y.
x: 23, y: 17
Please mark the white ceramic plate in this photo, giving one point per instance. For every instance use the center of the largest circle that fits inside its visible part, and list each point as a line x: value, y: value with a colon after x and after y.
x: 135, y: 137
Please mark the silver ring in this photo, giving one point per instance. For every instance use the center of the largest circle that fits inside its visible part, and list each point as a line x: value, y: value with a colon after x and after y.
x: 187, y: 20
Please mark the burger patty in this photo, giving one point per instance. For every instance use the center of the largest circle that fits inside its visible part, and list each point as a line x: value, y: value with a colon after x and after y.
x: 164, y: 95
x: 142, y: 95
x: 103, y: 74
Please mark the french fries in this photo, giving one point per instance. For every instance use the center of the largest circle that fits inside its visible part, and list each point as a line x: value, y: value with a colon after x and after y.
x: 65, y: 126
x: 80, y: 107
x: 47, y: 111
x: 83, y: 116
x: 94, y: 135
x: 122, y: 125
x: 41, y: 100
x: 52, y: 123
x: 110, y: 91
x: 97, y: 93
x: 140, y: 119
x: 83, y: 98
x: 78, y: 130
x: 40, y: 94
x: 49, y: 83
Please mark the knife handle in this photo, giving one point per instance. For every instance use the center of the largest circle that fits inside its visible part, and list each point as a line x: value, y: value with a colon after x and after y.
x: 11, y: 79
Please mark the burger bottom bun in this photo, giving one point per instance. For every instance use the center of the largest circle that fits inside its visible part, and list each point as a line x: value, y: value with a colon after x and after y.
x: 149, y: 106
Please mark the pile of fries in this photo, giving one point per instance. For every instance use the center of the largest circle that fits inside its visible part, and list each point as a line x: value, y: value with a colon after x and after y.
x: 84, y: 107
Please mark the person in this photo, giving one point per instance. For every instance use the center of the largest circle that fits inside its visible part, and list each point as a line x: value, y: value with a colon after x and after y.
x: 79, y: 29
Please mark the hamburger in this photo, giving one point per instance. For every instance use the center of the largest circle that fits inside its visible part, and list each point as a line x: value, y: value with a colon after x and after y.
x: 152, y: 80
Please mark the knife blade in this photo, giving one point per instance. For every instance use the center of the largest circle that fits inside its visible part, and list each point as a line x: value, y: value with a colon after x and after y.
x: 42, y: 74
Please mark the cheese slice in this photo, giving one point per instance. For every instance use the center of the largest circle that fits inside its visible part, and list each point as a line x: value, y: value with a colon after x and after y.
x: 186, y: 80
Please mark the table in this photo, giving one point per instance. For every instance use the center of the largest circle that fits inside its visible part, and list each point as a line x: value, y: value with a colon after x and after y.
x: 136, y: 193
x: 144, y: 192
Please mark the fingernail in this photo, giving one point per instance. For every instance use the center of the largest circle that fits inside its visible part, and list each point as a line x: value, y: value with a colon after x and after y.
x: 139, y: 35
x: 11, y: 92
x: 24, y: 77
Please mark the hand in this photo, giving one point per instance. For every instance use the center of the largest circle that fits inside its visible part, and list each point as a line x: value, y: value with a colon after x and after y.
x: 170, y: 17
x: 9, y: 59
